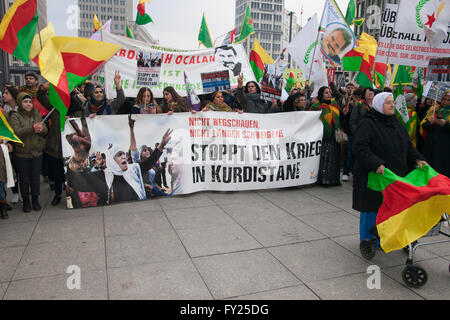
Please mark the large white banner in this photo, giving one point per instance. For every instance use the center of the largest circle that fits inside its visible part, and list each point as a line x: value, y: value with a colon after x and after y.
x: 409, y: 45
x: 207, y: 151
x: 144, y: 65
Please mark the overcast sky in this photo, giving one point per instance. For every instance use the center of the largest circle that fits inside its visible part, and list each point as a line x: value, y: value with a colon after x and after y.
x: 177, y: 22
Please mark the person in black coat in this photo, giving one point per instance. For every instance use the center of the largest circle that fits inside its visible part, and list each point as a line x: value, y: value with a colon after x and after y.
x: 381, y: 141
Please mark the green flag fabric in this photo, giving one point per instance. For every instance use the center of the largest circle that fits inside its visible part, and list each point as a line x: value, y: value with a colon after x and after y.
x: 247, y: 28
x: 204, y: 37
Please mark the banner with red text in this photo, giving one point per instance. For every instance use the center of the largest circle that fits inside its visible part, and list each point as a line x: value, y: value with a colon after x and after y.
x: 144, y: 65
x: 112, y: 159
x: 409, y: 45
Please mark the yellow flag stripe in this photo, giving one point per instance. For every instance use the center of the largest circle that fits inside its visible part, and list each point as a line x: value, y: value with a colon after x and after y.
x: 412, y: 223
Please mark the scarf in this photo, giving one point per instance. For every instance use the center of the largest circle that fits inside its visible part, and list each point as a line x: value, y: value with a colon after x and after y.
x: 329, y: 116
x: 223, y: 107
x: 97, y: 106
x: 132, y: 175
x: 254, y: 96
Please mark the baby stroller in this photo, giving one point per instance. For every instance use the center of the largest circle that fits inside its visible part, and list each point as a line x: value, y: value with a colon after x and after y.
x: 413, y: 276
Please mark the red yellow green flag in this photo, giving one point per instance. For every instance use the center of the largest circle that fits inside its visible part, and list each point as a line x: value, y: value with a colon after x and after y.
x: 362, y: 59
x: 6, y: 132
x: 67, y: 62
x: 129, y: 32
x: 290, y: 82
x: 18, y: 27
x: 40, y: 39
x: 247, y: 28
x: 380, y: 72
x: 141, y: 16
x: 329, y: 116
x: 258, y: 57
x: 411, y: 205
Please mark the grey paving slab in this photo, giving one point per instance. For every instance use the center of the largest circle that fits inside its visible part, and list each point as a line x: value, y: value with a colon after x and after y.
x: 437, y: 286
x: 200, y: 217
x: 281, y: 231
x: 16, y: 234
x: 174, y: 280
x: 300, y: 292
x: 318, y: 260
x: 53, y: 258
x: 299, y: 204
x: 251, y: 212
x: 382, y: 259
x: 68, y: 229
x: 333, y: 224
x: 186, y: 201
x: 17, y: 215
x: 9, y: 259
x: 243, y: 273
x: 62, y: 212
x: 135, y: 223
x: 131, y: 250
x: 133, y: 207
x: 355, y: 287
x: 93, y: 287
x: 216, y: 240
x: 226, y: 198
x: 3, y: 287
x: 341, y: 200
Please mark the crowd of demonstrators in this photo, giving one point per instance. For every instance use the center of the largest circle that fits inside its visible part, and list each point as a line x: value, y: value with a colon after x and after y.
x: 348, y: 109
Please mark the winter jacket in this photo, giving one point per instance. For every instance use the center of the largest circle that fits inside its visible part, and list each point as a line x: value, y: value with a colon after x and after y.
x: 22, y: 122
x: 379, y: 140
x: 251, y: 105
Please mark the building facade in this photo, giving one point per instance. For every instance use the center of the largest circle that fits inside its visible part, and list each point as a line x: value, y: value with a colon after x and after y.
x: 272, y: 24
x: 119, y: 11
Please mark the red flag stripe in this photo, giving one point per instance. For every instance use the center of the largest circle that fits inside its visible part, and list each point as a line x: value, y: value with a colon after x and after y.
x: 79, y: 64
x: 404, y: 195
x: 22, y: 17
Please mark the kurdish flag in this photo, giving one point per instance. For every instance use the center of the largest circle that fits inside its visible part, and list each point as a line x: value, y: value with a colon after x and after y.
x: 329, y: 116
x: 362, y: 58
x: 247, y: 28
x: 380, y: 73
x: 204, y: 37
x: 18, y: 27
x: 67, y: 62
x: 290, y: 83
x: 39, y: 41
x: 259, y: 57
x: 6, y: 132
x: 141, y: 16
x: 411, y: 205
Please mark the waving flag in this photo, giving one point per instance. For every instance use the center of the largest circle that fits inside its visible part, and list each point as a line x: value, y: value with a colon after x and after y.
x: 6, y: 132
x: 381, y: 70
x: 258, y: 57
x: 350, y: 15
x: 18, y: 27
x: 68, y: 62
x: 403, y: 75
x: 141, y: 16
x: 362, y: 58
x: 247, y: 28
x: 290, y: 84
x: 411, y: 205
x: 98, y: 34
x: 97, y: 23
x: 129, y: 32
x: 204, y: 37
x: 46, y: 34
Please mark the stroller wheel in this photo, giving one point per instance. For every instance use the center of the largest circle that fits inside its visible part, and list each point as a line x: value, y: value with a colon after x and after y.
x: 414, y: 277
x: 406, y: 249
x: 367, y: 249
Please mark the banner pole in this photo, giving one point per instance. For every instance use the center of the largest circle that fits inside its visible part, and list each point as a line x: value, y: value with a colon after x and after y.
x: 390, y: 42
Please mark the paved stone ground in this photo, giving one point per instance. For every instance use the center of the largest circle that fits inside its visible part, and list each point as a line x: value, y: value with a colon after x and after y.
x: 297, y: 243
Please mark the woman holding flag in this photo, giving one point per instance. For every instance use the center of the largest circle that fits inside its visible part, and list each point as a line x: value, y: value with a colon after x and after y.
x: 330, y: 155
x: 381, y: 141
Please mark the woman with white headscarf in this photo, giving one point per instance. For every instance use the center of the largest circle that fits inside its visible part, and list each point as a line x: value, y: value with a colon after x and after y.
x: 381, y: 141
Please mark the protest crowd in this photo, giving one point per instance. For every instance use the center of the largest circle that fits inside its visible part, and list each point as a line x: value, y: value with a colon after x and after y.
x: 362, y: 133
